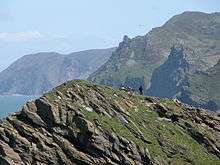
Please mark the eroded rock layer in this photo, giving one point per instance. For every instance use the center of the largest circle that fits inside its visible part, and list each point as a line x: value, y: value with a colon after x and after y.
x: 83, y: 123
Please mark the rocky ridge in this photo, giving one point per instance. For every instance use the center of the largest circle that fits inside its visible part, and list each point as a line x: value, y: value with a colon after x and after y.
x: 83, y: 123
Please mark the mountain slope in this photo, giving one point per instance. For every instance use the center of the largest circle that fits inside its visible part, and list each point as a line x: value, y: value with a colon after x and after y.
x: 204, y: 89
x: 135, y: 59
x: 169, y: 79
x: 37, y: 73
x: 176, y: 79
x: 82, y: 123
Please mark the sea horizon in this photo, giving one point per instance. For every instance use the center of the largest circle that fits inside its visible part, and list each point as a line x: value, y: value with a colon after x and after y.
x: 13, y: 103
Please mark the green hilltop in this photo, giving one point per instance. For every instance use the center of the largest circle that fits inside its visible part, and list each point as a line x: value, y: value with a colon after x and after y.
x: 84, y: 123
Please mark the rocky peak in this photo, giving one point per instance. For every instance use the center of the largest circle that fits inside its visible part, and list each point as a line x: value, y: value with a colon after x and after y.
x: 126, y: 39
x: 83, y: 123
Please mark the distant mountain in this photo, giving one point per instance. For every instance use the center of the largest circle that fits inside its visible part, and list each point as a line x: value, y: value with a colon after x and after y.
x: 135, y: 59
x: 171, y: 77
x: 38, y: 73
x: 176, y: 79
x: 204, y: 89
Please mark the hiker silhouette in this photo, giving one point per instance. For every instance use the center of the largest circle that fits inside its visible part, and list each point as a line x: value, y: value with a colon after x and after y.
x: 141, y: 90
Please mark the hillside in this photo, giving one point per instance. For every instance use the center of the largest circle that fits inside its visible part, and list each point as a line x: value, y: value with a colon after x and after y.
x: 169, y: 79
x: 175, y: 79
x: 204, y: 89
x: 38, y: 73
x: 83, y: 123
x: 135, y: 59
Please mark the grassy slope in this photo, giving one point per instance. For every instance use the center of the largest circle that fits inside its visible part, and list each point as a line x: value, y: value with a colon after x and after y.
x: 170, y: 143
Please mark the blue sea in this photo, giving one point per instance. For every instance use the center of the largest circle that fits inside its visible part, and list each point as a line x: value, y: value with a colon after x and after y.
x: 9, y: 104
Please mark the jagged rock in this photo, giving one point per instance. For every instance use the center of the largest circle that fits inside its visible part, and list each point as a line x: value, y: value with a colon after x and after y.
x: 31, y: 115
x: 49, y: 132
x: 8, y: 155
x: 49, y: 113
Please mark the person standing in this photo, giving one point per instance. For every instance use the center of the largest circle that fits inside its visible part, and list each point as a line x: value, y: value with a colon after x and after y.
x: 141, y: 90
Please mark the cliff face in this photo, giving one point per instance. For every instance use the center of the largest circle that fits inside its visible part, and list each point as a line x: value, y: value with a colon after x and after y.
x: 135, y: 59
x: 82, y: 123
x: 38, y: 73
x: 204, y: 89
x: 171, y: 77
x: 177, y: 78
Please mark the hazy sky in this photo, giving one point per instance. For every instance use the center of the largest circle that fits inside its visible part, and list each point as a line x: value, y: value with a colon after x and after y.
x: 30, y: 26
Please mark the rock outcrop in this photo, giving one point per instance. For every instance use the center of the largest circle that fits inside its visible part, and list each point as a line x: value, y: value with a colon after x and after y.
x: 83, y: 123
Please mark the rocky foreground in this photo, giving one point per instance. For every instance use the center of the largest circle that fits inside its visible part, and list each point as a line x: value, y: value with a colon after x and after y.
x: 83, y: 123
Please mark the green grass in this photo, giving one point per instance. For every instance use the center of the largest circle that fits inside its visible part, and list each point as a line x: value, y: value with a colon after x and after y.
x: 145, y: 119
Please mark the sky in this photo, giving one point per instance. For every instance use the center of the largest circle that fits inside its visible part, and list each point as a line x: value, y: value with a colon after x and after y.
x: 65, y: 26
